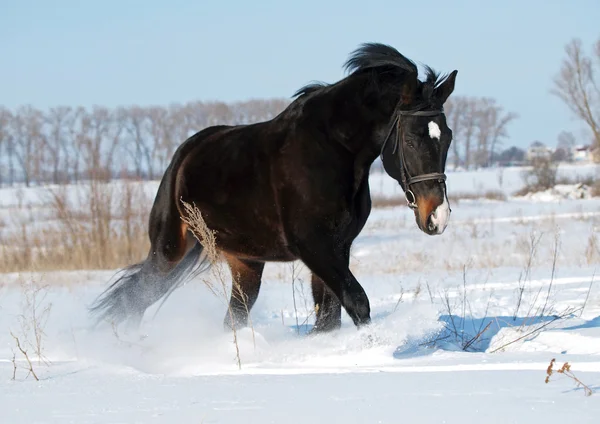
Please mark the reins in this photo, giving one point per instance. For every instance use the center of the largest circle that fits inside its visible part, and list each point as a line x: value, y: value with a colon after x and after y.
x: 407, y: 179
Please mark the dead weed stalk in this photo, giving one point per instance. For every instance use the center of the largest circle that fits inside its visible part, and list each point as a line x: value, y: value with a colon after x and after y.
x: 566, y: 371
x: 94, y: 225
x: 23, y: 351
x: 218, y: 284
x: 32, y: 321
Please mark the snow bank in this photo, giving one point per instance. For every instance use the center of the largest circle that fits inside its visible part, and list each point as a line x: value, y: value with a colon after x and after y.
x: 560, y: 192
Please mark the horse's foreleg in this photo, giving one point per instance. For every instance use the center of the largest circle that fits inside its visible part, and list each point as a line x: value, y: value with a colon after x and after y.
x: 331, y: 265
x: 327, y: 306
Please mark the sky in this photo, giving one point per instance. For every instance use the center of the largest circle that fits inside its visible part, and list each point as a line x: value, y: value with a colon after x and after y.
x: 113, y: 53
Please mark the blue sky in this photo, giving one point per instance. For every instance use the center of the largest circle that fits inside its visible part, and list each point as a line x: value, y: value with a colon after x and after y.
x: 156, y: 52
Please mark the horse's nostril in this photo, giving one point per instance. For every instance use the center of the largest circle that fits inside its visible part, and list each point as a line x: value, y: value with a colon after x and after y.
x: 430, y: 225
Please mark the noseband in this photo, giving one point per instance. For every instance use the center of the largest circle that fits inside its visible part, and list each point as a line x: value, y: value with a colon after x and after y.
x: 399, y: 142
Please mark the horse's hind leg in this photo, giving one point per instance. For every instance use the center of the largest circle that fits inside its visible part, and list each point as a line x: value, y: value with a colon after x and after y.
x: 328, y: 307
x: 246, y: 280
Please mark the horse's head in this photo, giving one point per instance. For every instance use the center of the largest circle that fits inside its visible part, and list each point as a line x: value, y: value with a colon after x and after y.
x: 416, y: 149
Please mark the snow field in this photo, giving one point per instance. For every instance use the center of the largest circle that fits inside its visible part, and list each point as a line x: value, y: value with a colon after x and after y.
x: 429, y: 297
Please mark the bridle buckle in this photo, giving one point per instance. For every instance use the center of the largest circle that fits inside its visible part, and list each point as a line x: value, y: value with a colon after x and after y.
x: 411, y: 200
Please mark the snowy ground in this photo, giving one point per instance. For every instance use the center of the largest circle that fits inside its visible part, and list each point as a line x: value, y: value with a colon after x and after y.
x: 430, y: 297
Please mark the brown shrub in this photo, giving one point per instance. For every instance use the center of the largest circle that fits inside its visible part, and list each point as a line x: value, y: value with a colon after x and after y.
x: 99, y: 227
x: 542, y: 175
x: 596, y: 188
x: 454, y: 197
x: 387, y: 201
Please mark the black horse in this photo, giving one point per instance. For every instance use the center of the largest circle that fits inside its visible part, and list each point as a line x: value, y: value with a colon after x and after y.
x: 297, y: 188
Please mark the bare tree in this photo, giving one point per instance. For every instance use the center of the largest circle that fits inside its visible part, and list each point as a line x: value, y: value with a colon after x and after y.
x: 159, y: 138
x: 255, y: 110
x: 500, y: 120
x: 67, y: 143
x: 484, y: 122
x: 28, y: 141
x: 195, y: 116
x: 566, y: 140
x: 56, y: 140
x: 492, y: 121
x: 99, y: 136
x: 180, y: 128
x: 578, y: 85
x: 137, y: 146
x: 456, y: 108
x: 71, y: 150
x: 6, y: 145
x: 469, y: 125
x: 566, y: 143
x: 219, y: 113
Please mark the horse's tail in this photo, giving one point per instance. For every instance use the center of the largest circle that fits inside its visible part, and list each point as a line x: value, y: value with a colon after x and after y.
x: 174, y: 255
x: 140, y: 286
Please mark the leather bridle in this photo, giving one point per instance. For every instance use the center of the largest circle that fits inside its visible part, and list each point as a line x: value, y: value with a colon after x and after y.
x: 399, y: 142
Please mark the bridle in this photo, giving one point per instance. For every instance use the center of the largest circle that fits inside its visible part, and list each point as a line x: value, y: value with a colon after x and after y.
x: 406, y: 178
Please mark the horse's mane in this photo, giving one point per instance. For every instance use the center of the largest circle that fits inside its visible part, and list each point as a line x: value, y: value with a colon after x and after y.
x: 380, y: 58
x: 310, y: 88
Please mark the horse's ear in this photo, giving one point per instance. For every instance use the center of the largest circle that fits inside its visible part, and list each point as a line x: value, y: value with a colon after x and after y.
x: 446, y: 88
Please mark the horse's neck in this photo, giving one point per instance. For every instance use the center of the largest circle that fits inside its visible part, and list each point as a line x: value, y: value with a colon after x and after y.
x: 362, y: 130
x: 363, y: 127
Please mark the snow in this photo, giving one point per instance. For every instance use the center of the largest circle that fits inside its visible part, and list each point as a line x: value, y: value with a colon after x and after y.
x: 505, y: 180
x: 430, y: 397
x: 408, y: 366
x: 434, y: 130
x: 561, y: 192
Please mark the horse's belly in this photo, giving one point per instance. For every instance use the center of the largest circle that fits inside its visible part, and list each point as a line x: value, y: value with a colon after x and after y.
x: 258, y: 242
x: 261, y: 249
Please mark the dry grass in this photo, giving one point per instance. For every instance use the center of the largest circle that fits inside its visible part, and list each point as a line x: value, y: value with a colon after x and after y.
x: 380, y: 201
x: 30, y: 369
x: 566, y: 371
x: 94, y: 226
x: 540, y: 306
x: 592, y: 250
x: 34, y: 315
x: 544, y: 176
x: 534, y: 309
x: 387, y: 201
x: 456, y: 197
x: 541, y: 175
x: 218, y: 284
x: 459, y: 317
x: 596, y: 188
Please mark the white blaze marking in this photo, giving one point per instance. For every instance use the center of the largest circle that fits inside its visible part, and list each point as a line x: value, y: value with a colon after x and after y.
x: 441, y: 215
x: 434, y: 130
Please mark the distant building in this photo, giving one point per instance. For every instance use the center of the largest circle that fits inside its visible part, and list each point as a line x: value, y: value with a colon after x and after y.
x: 582, y: 153
x: 538, y: 150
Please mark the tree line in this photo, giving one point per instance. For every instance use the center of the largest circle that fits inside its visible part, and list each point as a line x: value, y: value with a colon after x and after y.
x: 577, y: 84
x: 66, y: 144
x: 479, y: 127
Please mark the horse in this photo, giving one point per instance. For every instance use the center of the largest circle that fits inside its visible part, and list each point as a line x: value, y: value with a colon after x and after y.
x: 296, y: 187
